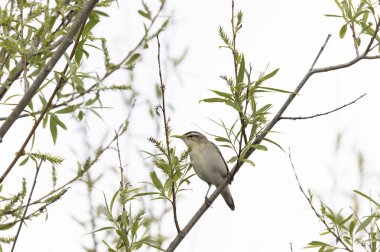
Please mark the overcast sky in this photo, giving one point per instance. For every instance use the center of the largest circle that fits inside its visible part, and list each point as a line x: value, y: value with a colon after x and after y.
x: 270, y: 210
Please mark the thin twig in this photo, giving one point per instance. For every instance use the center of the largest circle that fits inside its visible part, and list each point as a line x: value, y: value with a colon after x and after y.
x: 319, y: 216
x: 320, y: 52
x: 27, y: 205
x: 122, y: 184
x: 167, y: 133
x: 322, y: 114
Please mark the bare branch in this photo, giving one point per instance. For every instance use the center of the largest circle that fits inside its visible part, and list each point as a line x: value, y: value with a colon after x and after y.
x: 322, y: 114
x: 167, y: 133
x: 27, y: 204
x: 320, y: 51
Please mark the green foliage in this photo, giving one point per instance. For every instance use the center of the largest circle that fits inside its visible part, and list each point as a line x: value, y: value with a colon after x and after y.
x: 243, y: 97
x: 359, y: 16
x: 174, y: 167
x: 350, y: 232
x: 131, y: 230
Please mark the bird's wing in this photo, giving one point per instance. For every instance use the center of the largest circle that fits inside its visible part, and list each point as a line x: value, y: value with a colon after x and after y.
x: 216, y: 147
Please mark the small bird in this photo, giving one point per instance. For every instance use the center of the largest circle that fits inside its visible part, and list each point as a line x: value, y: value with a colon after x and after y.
x: 208, y: 163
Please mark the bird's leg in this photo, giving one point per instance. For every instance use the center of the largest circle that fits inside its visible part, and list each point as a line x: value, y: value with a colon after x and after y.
x: 206, y: 198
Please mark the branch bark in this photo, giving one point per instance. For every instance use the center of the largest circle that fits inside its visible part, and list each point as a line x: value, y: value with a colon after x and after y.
x: 322, y: 114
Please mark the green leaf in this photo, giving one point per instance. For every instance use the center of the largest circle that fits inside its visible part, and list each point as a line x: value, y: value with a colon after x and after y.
x: 222, y: 139
x: 342, y: 31
x: 7, y: 225
x: 248, y: 161
x: 53, y: 129
x: 364, y: 224
x: 133, y: 58
x: 113, y: 200
x: 157, y: 183
x: 233, y: 159
x: 268, y: 76
x: 68, y: 109
x: 259, y: 147
x: 123, y: 236
x: 135, y: 226
x: 24, y: 161
x: 241, y: 72
x: 367, y: 197
x: 89, y: 25
x: 213, y: 100
x: 144, y: 14
x: 222, y: 94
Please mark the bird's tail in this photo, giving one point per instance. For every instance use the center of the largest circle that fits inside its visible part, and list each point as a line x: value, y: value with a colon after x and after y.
x: 228, y: 197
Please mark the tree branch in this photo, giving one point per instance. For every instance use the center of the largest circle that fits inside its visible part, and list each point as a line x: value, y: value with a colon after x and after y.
x: 322, y: 114
x: 68, y: 39
x: 177, y: 240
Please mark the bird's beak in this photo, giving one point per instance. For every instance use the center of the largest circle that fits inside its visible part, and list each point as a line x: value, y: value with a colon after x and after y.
x: 178, y: 136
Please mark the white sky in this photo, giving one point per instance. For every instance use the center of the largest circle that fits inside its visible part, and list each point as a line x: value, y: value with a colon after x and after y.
x: 270, y: 210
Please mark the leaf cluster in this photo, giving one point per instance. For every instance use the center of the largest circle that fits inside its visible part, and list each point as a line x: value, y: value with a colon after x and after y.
x: 243, y: 97
x: 351, y: 231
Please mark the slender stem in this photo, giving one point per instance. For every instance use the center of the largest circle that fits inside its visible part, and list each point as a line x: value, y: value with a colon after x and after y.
x: 320, y: 52
x: 323, y: 114
x: 167, y: 133
x: 27, y: 205
x: 59, y: 85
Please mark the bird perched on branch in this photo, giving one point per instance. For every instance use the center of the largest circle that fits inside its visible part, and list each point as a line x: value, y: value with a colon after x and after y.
x: 208, y: 163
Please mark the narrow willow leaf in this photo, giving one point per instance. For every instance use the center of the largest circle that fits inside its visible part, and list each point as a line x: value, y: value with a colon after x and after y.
x: 364, y: 224
x: 144, y: 14
x: 259, y: 147
x: 222, y: 94
x: 343, y: 31
x: 133, y: 59
x: 213, y: 100
x: 367, y: 197
x: 248, y: 161
x: 53, y: 129
x: 157, y: 183
x: 241, y: 72
x: 268, y: 76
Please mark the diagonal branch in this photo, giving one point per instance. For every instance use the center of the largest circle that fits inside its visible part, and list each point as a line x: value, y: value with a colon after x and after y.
x: 27, y: 205
x: 68, y: 39
x: 323, y: 114
x: 58, y: 87
x: 177, y: 240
